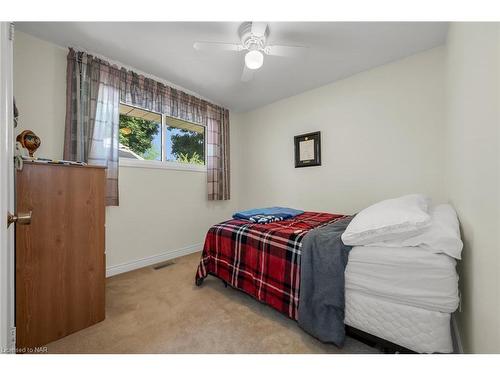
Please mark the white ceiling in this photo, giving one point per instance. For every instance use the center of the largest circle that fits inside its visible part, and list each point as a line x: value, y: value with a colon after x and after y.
x: 165, y: 49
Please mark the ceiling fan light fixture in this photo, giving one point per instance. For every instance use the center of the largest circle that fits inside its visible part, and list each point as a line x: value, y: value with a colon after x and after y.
x: 254, y: 59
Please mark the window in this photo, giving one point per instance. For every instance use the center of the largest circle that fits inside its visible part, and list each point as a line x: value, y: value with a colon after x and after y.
x: 153, y: 140
x: 185, y: 141
x: 140, y: 134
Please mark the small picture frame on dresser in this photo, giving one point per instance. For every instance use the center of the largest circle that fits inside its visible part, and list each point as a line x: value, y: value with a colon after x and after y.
x: 308, y: 150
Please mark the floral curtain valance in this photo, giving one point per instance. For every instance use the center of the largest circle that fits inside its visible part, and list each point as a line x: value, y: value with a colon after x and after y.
x: 87, y: 97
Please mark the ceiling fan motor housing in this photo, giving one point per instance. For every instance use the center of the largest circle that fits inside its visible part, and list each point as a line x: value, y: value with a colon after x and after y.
x: 250, y: 41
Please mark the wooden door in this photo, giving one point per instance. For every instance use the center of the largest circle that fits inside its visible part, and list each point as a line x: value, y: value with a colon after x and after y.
x: 60, y: 266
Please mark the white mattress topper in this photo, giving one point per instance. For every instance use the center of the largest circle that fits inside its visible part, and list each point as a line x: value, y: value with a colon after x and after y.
x: 407, y: 275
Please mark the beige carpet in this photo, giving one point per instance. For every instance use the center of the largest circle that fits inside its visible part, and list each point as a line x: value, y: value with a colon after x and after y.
x: 162, y: 311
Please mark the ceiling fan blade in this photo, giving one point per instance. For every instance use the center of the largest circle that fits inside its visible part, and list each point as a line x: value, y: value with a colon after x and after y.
x: 278, y: 50
x: 247, y: 74
x: 259, y: 28
x: 216, y: 46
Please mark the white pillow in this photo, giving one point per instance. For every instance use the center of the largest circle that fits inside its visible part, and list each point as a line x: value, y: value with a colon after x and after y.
x: 442, y: 236
x: 391, y: 219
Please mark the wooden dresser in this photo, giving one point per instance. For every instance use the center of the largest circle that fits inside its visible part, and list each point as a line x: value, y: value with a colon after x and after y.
x: 60, y: 260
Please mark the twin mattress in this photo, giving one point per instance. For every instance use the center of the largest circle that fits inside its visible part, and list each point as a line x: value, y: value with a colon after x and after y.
x: 420, y: 330
x: 403, y: 295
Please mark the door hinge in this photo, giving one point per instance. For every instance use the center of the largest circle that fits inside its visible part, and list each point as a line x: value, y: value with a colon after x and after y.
x: 11, y: 31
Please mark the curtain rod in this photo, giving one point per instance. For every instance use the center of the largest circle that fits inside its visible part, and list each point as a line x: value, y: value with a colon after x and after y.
x: 140, y: 72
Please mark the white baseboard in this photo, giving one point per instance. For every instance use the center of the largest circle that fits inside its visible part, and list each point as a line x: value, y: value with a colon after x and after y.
x: 456, y: 335
x: 148, y: 261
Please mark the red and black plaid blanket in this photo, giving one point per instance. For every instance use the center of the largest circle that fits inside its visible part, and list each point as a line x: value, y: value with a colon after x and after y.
x: 263, y: 260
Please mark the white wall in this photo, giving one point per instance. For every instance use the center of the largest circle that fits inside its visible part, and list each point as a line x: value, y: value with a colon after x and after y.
x: 40, y: 91
x: 473, y: 175
x: 382, y: 136
x: 160, y: 210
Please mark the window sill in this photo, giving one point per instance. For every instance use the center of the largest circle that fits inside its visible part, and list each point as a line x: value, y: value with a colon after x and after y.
x: 131, y: 163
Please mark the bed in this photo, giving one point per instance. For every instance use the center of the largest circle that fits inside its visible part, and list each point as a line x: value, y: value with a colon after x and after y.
x: 402, y: 298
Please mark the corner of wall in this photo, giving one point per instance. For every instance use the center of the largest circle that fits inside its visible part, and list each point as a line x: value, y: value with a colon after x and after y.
x: 473, y: 175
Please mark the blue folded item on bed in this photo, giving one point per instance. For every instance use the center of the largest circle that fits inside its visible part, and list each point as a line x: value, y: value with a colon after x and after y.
x: 284, y: 212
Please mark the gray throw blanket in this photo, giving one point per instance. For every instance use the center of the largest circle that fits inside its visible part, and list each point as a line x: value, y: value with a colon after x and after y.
x: 322, y: 284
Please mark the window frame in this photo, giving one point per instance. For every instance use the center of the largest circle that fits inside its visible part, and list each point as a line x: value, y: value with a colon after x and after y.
x: 164, y: 163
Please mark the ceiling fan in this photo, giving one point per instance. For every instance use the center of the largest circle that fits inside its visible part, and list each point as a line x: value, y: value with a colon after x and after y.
x: 253, y: 36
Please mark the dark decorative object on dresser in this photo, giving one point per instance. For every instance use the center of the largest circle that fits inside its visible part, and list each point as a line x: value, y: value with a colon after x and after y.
x: 29, y: 140
x: 307, y: 150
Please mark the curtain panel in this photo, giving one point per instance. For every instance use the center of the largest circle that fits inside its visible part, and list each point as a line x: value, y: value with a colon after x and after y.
x: 92, y: 116
x: 218, y: 154
x: 105, y: 144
